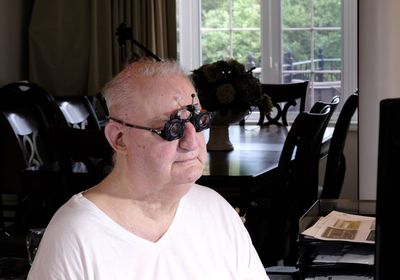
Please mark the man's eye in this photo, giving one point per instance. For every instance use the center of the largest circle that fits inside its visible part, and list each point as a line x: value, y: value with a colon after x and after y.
x: 175, y: 129
x: 204, y: 120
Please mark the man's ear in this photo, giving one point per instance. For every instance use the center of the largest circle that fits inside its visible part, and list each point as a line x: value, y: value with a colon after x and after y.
x: 114, y: 133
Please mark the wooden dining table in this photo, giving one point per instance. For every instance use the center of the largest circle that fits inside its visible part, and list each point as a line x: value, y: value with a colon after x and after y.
x: 255, y: 156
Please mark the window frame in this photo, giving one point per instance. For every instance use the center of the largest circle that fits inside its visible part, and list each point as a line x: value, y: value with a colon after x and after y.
x: 271, y: 42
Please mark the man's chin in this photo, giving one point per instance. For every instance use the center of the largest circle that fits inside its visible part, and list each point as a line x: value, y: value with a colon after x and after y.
x: 191, y: 177
x: 188, y: 172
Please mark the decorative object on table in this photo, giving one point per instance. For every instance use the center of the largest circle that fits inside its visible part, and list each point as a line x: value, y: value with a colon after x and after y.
x: 226, y: 88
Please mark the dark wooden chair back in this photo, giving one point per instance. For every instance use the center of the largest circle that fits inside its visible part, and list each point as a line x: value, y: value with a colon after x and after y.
x: 278, y: 202
x: 318, y: 106
x: 336, y: 162
x: 83, y: 143
x: 27, y: 94
x: 79, y: 112
x: 99, y: 105
x: 27, y: 115
x: 12, y: 160
x: 284, y: 96
x: 48, y: 160
x: 300, y: 156
x: 85, y: 157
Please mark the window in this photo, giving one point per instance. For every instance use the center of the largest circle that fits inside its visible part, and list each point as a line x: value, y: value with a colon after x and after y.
x: 230, y: 28
x: 286, y: 40
x: 311, y: 45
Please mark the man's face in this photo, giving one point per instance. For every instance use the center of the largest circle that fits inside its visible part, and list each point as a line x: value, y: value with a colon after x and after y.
x: 154, y: 160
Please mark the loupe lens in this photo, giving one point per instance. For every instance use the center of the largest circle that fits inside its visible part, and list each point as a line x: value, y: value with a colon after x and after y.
x: 202, y: 121
x: 173, y: 130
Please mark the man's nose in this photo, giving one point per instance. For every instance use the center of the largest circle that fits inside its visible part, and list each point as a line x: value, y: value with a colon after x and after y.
x: 189, y: 140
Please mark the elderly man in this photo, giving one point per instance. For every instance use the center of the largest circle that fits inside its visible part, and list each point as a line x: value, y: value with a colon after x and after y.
x: 148, y: 219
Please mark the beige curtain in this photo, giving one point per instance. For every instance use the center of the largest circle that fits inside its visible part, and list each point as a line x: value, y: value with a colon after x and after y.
x: 73, y: 48
x: 153, y: 24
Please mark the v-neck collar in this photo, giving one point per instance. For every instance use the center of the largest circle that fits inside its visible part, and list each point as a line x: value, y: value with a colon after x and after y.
x: 131, y: 237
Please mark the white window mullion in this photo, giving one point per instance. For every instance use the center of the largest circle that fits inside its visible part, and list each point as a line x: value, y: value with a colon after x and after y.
x: 230, y: 29
x: 189, y: 34
x: 349, y: 47
x: 271, y: 41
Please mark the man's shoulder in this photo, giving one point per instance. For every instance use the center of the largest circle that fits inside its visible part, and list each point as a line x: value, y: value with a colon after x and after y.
x: 73, y: 214
x: 206, y: 196
x: 203, y: 191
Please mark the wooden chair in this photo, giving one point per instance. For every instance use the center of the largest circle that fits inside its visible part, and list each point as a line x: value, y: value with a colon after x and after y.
x: 23, y: 145
x: 99, y: 106
x: 27, y: 115
x: 82, y: 143
x: 84, y: 156
x: 84, y: 111
x: 43, y: 154
x: 320, y: 105
x: 13, y: 258
x: 317, y: 108
x: 34, y: 171
x: 336, y: 163
x: 283, y: 97
x: 278, y: 201
x: 79, y: 112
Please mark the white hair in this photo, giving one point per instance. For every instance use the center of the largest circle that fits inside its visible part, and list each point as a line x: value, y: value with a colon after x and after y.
x: 119, y: 91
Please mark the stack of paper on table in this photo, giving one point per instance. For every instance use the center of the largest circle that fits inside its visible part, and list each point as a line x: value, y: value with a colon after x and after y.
x: 345, y: 227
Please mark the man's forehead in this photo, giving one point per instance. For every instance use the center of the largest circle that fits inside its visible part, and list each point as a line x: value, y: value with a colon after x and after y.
x: 183, y: 99
x: 183, y: 108
x: 164, y: 106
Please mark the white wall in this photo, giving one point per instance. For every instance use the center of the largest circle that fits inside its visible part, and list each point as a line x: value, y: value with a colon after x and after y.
x: 350, y: 183
x: 379, y: 78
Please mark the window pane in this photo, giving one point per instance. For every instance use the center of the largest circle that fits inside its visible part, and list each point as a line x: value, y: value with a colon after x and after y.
x: 215, y: 46
x: 327, y: 53
x: 328, y: 43
x: 246, y: 14
x: 327, y: 47
x: 247, y: 43
x: 327, y: 13
x: 325, y: 91
x: 214, y: 14
x: 296, y: 13
x: 231, y: 29
x: 298, y: 43
x: 312, y: 46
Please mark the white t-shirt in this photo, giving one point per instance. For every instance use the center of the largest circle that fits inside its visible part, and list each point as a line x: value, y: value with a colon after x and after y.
x: 206, y: 240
